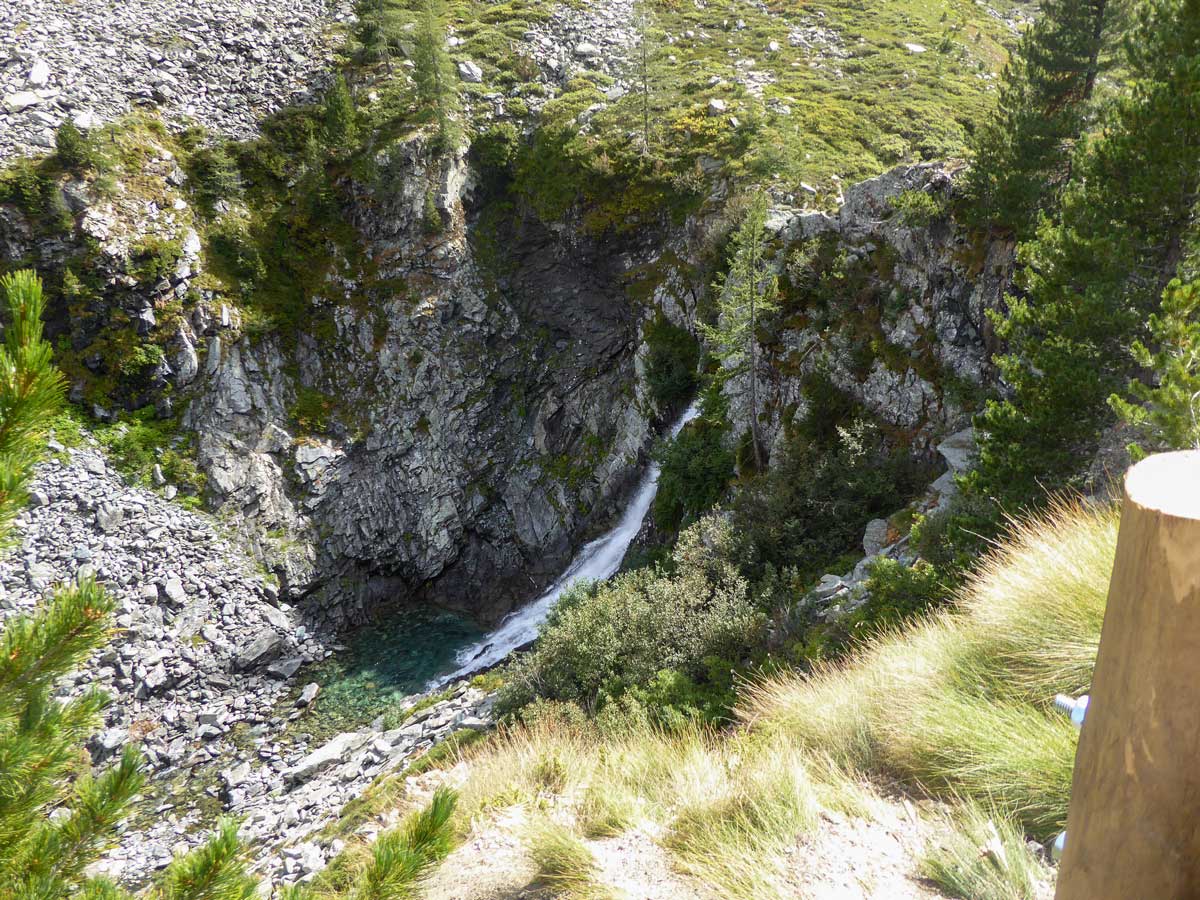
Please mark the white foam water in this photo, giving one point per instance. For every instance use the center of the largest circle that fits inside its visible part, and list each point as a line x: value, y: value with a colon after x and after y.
x: 596, y: 561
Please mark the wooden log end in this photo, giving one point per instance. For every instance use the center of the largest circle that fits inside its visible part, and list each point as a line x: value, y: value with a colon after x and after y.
x: 1168, y: 483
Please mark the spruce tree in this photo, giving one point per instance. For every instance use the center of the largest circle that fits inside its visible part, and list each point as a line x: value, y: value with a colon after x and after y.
x: 1092, y: 278
x: 746, y: 293
x: 1022, y: 154
x: 380, y: 29
x: 433, y: 71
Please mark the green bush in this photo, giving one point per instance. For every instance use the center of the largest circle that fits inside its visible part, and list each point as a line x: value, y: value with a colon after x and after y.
x: 496, y: 149
x: 696, y: 469
x: 235, y: 253
x: 671, y: 363
x: 898, y: 593
x: 953, y: 539
x: 667, y: 638
x: 214, y: 176
x: 916, y: 209
x: 73, y: 148
x: 341, y: 122
x: 811, y: 506
x: 141, y: 440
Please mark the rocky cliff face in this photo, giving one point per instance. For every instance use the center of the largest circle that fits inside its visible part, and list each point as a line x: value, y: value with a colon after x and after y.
x: 497, y: 408
x: 889, y: 298
x: 484, y: 405
x: 478, y: 372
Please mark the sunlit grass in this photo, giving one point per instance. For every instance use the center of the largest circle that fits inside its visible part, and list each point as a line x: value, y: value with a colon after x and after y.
x: 957, y: 705
x: 960, y: 703
x: 563, y: 861
x: 984, y: 856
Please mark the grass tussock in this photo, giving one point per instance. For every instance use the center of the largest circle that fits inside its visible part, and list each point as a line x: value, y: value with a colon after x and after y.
x: 728, y: 808
x: 984, y: 857
x: 961, y: 703
x: 396, y: 864
x: 563, y: 861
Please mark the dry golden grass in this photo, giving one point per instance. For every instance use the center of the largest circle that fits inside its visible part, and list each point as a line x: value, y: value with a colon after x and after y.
x: 957, y: 705
x: 960, y: 703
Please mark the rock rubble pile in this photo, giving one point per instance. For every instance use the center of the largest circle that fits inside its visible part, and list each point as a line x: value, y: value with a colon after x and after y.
x: 224, y: 64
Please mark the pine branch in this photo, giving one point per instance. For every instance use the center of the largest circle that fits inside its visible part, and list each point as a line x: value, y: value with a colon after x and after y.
x: 38, y: 649
x: 215, y: 871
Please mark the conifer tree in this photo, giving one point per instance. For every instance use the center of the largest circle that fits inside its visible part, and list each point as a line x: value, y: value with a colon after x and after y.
x: 1022, y: 155
x: 1167, y: 413
x: 645, y: 76
x: 746, y: 293
x: 1092, y: 278
x: 433, y: 71
x: 31, y: 390
x: 379, y: 30
x: 39, y: 736
x: 341, y: 125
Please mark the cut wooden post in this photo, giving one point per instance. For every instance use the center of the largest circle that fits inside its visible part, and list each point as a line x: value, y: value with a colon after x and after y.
x: 1133, y: 830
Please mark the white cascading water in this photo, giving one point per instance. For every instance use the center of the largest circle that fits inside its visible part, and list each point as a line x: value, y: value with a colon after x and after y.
x: 597, y: 560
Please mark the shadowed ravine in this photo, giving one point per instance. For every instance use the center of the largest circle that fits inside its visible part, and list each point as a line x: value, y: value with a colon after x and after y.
x: 422, y: 650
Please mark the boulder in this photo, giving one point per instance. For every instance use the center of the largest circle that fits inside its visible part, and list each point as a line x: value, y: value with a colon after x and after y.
x: 261, y: 650
x: 875, y: 537
x: 336, y: 752
x: 21, y: 100
x: 309, y: 694
x: 959, y: 450
x: 469, y: 71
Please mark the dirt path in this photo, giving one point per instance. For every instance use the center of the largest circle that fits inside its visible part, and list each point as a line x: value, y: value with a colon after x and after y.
x: 849, y: 858
x: 873, y: 858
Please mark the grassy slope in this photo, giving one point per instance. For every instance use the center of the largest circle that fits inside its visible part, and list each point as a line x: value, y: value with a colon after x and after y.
x: 852, y: 108
x: 957, y: 707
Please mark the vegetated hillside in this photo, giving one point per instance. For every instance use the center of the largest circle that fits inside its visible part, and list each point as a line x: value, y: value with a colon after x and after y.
x: 424, y: 287
x: 957, y: 708
x: 440, y: 279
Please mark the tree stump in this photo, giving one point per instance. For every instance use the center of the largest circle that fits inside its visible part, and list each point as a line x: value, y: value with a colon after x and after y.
x: 1133, y: 830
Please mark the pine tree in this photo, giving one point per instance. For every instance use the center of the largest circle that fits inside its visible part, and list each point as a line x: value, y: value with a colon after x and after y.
x: 1022, y: 155
x: 380, y: 30
x: 31, y: 390
x: 40, y: 738
x: 1167, y: 413
x: 1091, y: 279
x: 746, y: 293
x: 42, y: 761
x: 341, y: 124
x: 433, y: 71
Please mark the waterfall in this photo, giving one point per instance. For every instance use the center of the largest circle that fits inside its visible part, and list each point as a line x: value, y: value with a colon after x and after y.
x: 596, y: 561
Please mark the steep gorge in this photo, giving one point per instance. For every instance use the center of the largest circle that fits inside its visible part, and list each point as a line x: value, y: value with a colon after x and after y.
x: 479, y: 381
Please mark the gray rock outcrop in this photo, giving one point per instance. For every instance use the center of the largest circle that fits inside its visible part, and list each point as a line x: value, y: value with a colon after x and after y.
x: 911, y: 340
